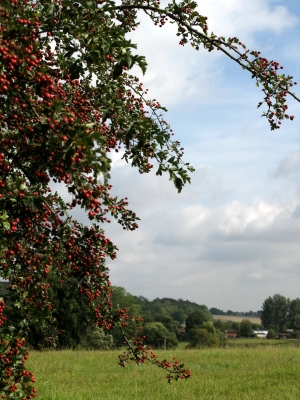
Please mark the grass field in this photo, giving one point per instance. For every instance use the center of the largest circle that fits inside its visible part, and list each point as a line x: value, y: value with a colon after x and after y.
x: 259, y: 342
x: 254, y: 342
x: 235, y: 318
x: 271, y: 372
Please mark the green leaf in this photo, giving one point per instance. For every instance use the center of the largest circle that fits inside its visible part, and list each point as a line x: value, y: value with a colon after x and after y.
x: 49, y: 8
x: 178, y: 184
x: 6, y: 225
x: 105, y: 115
x: 117, y: 70
x: 141, y: 61
x: 76, y: 70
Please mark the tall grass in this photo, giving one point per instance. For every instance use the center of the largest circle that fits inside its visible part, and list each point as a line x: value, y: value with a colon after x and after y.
x: 235, y: 373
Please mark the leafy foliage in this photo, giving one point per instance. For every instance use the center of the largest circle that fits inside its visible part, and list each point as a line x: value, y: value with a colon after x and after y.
x: 73, y: 315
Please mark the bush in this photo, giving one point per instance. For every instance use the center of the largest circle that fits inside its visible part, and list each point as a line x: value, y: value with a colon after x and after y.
x: 158, y: 336
x: 96, y: 339
x: 200, y: 337
x: 209, y: 327
x: 222, y: 338
x: 271, y: 334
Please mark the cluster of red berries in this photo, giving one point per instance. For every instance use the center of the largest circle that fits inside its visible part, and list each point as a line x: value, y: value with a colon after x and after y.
x: 13, y: 355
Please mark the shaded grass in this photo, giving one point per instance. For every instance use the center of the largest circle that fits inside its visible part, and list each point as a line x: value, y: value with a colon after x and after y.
x: 235, y: 373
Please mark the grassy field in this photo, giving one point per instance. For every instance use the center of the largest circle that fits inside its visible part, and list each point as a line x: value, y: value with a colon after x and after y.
x: 259, y: 342
x: 235, y: 318
x: 271, y: 372
x: 254, y: 342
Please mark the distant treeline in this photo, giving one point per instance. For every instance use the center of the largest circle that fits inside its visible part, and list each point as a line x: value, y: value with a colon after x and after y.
x: 162, y: 319
x: 160, y: 309
x: 216, y: 311
x: 166, y: 310
x: 76, y: 321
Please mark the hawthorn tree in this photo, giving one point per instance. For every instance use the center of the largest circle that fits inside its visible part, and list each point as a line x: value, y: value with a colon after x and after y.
x: 68, y: 100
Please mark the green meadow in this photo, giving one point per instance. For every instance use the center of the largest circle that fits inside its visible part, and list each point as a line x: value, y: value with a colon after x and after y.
x: 257, y: 372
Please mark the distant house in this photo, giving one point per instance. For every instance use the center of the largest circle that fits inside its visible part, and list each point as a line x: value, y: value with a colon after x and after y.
x: 181, y: 333
x: 260, y: 333
x: 284, y: 335
x: 231, y: 333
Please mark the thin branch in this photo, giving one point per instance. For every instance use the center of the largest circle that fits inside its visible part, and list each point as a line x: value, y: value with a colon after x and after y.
x: 212, y: 41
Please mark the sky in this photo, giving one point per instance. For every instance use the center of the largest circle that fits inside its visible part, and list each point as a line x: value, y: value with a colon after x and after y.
x: 231, y: 238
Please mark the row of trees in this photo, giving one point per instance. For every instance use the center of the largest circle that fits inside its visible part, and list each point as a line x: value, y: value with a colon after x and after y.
x: 243, y: 328
x: 74, y: 318
x: 170, y: 312
x: 161, y: 319
x: 217, y: 311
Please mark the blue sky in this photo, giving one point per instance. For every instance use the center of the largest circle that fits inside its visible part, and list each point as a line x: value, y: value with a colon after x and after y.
x: 231, y: 238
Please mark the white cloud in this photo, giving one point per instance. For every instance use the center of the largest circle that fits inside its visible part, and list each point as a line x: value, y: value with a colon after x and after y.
x: 289, y: 166
x: 211, y: 254
x: 246, y: 17
x: 240, y: 219
x: 185, y: 247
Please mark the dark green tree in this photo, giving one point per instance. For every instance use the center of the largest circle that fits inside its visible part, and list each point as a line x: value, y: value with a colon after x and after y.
x: 237, y: 327
x: 294, y: 315
x: 169, y: 323
x: 275, y: 311
x: 220, y: 325
x: 74, y: 317
x: 216, y: 311
x: 246, y: 328
x: 179, y: 315
x: 197, y: 318
x: 120, y: 297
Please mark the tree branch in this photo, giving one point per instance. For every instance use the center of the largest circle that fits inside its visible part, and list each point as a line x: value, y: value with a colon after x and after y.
x: 212, y: 41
